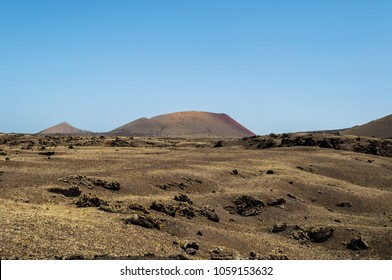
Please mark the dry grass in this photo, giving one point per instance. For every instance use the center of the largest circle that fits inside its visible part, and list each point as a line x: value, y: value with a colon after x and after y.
x: 38, y: 224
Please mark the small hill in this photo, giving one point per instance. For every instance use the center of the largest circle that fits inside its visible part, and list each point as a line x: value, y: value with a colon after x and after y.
x: 64, y: 129
x: 380, y: 128
x: 185, y: 124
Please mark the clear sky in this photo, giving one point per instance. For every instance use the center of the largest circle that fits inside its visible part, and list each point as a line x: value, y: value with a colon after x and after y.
x: 273, y: 65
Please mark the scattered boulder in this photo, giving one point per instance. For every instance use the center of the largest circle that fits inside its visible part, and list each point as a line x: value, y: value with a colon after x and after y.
x: 161, y: 207
x: 190, y: 251
x: 223, y: 253
x: 329, y: 141
x: 183, y: 198
x: 218, y: 144
x: 138, y: 208
x: 70, y: 192
x: 210, y: 214
x: 144, y: 221
x: 314, y: 234
x: 118, y: 142
x: 234, y: 172
x: 113, y: 186
x: 191, y: 181
x: 276, y: 201
x: 269, y: 172
x: 168, y: 186
x: 246, y: 205
x: 90, y: 201
x: 110, y: 208
x: 186, y: 211
x: 279, y: 227
x: 277, y: 255
x: 78, y: 180
x: 291, y: 196
x: 255, y: 256
x: 344, y: 204
x: 190, y: 248
x: 357, y: 243
x: 320, y: 234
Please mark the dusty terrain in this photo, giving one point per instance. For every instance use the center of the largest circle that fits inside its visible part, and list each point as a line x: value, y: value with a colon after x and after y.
x: 255, y: 198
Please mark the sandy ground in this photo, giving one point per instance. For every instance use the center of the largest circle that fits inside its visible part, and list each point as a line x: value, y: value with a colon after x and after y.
x: 345, y: 194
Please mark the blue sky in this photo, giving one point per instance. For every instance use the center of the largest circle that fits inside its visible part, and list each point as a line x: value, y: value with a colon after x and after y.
x: 273, y: 65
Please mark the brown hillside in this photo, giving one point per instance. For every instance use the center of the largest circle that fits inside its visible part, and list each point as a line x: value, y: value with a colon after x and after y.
x: 63, y: 128
x: 185, y: 124
x: 381, y: 128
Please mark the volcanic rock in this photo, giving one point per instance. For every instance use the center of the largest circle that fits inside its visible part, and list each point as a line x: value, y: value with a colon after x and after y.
x: 246, y: 205
x: 357, y: 243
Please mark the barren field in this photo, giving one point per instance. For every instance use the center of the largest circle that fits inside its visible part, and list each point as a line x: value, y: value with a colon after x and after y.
x: 151, y: 198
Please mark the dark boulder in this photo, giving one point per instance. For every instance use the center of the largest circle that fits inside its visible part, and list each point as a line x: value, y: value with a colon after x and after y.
x: 218, y: 144
x: 344, y: 204
x: 357, y: 243
x: 161, y: 207
x: 90, y: 201
x: 279, y: 227
x: 183, y: 198
x: 320, y: 234
x: 209, y: 214
x: 222, y: 253
x: 70, y: 192
x: 246, y: 205
x: 138, y: 208
x: 276, y: 201
x: 186, y: 211
x: 144, y: 221
x: 314, y: 234
x: 234, y: 172
x: 190, y: 248
x: 113, y: 186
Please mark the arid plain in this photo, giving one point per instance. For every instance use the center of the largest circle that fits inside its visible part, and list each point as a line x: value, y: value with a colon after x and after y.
x: 91, y: 197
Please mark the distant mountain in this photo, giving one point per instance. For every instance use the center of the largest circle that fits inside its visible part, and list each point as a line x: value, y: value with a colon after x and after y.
x: 63, y: 129
x: 380, y: 128
x: 185, y: 124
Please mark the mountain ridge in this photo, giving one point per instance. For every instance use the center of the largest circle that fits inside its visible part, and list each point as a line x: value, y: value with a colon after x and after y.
x: 206, y: 124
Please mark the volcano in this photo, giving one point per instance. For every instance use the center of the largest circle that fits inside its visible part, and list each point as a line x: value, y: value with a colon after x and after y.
x: 63, y: 129
x: 185, y: 124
